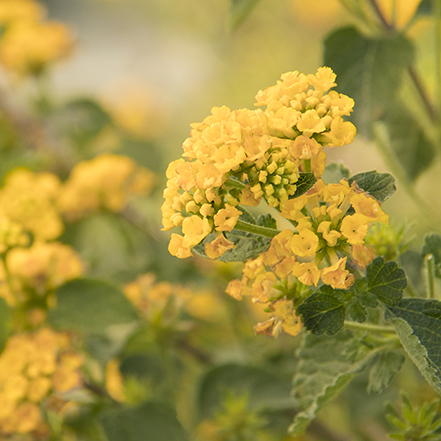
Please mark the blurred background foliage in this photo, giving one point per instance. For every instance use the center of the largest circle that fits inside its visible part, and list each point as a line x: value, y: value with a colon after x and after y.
x: 166, y: 355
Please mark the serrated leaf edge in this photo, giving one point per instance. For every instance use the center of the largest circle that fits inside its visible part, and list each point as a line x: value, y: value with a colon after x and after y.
x: 417, y: 352
x: 304, y: 417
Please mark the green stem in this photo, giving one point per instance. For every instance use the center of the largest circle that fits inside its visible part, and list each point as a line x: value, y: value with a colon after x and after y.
x: 410, y: 289
x: 413, y: 74
x: 429, y: 262
x: 235, y: 183
x: 422, y: 92
x: 307, y: 165
x: 169, y: 369
x: 370, y: 328
x: 256, y: 229
x: 387, y: 26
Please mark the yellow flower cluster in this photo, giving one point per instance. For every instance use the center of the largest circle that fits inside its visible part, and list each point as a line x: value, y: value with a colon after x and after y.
x: 35, y: 367
x: 244, y: 156
x: 29, y: 200
x: 32, y: 207
x: 29, y: 44
x: 105, y: 182
x: 331, y: 223
x: 155, y: 299
x: 151, y: 297
x: 37, y: 271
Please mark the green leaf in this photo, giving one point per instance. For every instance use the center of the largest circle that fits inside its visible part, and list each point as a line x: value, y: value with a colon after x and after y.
x: 154, y: 421
x: 240, y: 9
x: 304, y: 183
x: 247, y: 245
x: 385, y: 366
x: 418, y: 324
x: 82, y: 119
x: 386, y: 280
x: 265, y: 390
x: 432, y: 245
x: 91, y: 306
x: 357, y: 312
x: 406, y: 140
x: 368, y: 70
x: 246, y: 216
x: 322, y: 312
x: 334, y: 173
x: 425, y: 7
x: 379, y: 185
x: 326, y: 366
x: 5, y: 322
x: 267, y: 221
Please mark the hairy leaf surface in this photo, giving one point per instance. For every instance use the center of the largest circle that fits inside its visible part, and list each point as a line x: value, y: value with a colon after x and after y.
x: 385, y: 366
x: 379, y: 185
x: 418, y: 324
x: 386, y: 280
x: 322, y: 312
x: 246, y: 244
x: 326, y: 366
x: 304, y: 183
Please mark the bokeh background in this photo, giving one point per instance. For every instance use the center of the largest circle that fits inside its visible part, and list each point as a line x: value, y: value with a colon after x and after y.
x: 163, y: 65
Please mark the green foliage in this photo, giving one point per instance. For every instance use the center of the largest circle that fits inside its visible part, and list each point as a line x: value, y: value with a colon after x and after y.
x: 266, y: 221
x: 383, y: 369
x: 369, y: 70
x: 5, y: 323
x: 379, y: 185
x: 247, y: 245
x: 237, y: 421
x: 335, y: 172
x: 240, y: 9
x: 432, y: 246
x: 322, y: 312
x: 304, y: 183
x: 326, y: 366
x: 415, y: 424
x: 91, y: 306
x: 82, y: 119
x: 408, y: 142
x: 386, y: 280
x: 418, y: 324
x: 154, y: 421
x: 265, y: 390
